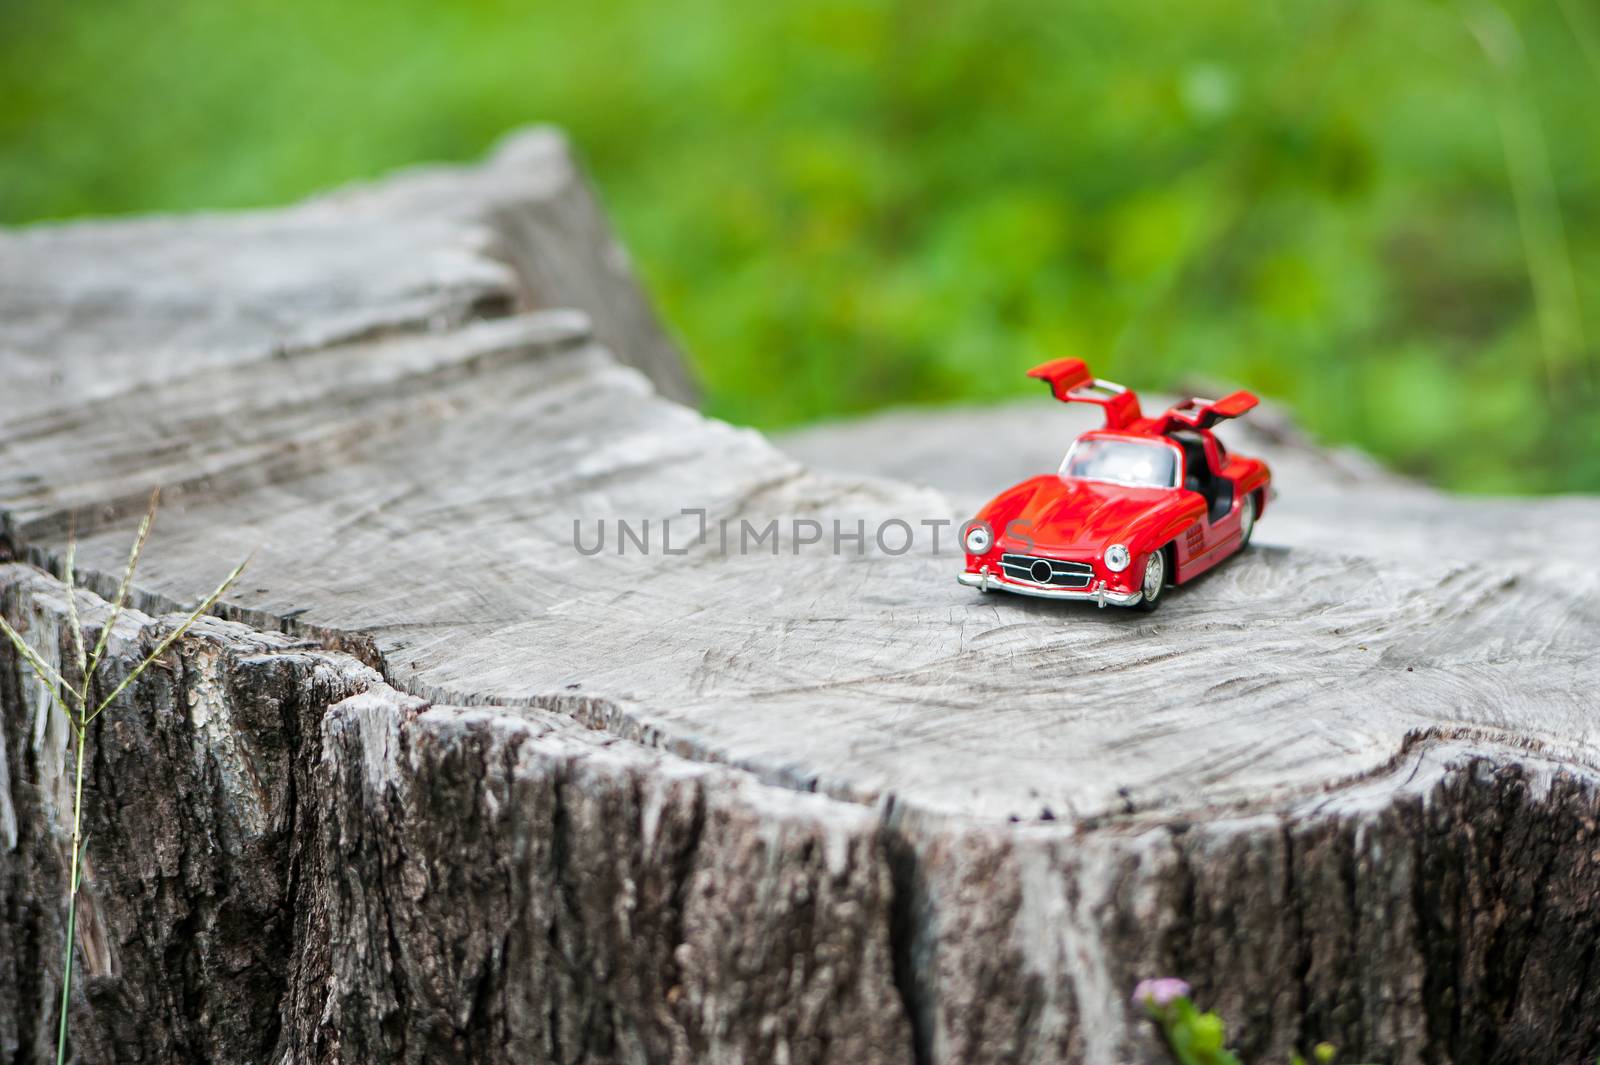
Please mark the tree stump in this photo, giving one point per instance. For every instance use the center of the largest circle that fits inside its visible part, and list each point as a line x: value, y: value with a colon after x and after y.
x: 443, y: 783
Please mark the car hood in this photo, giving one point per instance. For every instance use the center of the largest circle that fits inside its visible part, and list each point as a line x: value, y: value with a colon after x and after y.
x: 1066, y: 515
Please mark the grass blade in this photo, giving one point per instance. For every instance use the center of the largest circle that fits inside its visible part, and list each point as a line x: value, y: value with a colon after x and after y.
x: 66, y: 977
x: 74, y: 622
x: 51, y: 678
x: 80, y: 843
x: 211, y: 601
x: 122, y: 587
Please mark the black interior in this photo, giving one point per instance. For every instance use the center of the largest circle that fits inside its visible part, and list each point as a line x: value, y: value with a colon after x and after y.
x: 1198, y: 476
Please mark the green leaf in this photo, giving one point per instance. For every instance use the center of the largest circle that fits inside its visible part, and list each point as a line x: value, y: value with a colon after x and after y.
x: 1208, y: 1032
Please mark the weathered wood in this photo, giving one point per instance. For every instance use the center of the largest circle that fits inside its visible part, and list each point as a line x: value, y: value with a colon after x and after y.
x: 290, y: 861
x: 91, y: 308
x: 1347, y: 784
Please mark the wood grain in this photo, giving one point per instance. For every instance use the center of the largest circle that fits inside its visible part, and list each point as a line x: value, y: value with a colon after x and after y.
x: 418, y: 494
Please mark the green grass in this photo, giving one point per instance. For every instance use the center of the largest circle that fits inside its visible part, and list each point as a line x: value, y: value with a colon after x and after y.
x: 1385, y: 215
x: 81, y: 703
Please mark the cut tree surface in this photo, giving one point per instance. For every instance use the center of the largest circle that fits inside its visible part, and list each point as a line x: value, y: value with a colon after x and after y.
x: 554, y: 805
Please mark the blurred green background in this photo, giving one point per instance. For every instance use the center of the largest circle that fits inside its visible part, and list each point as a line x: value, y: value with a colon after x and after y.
x: 1382, y: 214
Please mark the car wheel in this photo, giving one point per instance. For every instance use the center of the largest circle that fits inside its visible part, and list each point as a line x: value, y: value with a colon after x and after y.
x: 1247, y: 520
x: 1154, y: 582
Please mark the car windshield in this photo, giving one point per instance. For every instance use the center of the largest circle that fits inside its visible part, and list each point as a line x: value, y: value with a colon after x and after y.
x: 1126, y: 462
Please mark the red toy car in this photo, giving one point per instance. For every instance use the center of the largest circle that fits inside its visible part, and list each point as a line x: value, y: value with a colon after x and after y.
x: 1136, y: 506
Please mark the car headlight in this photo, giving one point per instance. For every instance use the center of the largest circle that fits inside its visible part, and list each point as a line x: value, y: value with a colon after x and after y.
x: 978, y: 538
x: 1117, y: 558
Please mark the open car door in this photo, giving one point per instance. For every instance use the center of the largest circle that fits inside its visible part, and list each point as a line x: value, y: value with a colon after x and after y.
x: 1204, y: 413
x: 1071, y: 382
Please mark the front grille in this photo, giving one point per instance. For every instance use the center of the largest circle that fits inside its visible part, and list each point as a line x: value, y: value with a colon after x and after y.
x: 1061, y: 574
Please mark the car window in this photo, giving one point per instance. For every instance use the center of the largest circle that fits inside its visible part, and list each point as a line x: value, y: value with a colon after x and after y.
x: 1126, y: 462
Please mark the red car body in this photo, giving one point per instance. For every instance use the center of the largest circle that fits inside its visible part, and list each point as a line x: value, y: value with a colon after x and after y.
x: 1178, y: 504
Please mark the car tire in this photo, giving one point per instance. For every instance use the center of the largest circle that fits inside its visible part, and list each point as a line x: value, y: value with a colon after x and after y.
x: 1157, y: 571
x: 1247, y: 520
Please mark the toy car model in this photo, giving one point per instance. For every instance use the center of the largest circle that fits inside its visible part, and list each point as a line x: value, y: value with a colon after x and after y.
x: 1143, y: 503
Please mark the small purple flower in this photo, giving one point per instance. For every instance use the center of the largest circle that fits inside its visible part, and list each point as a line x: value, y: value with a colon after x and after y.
x: 1162, y: 991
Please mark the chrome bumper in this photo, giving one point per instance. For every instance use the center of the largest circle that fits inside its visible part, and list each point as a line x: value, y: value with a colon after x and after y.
x: 1095, y: 592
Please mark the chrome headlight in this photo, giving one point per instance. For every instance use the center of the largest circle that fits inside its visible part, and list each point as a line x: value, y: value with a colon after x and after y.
x: 978, y: 538
x: 1117, y: 558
